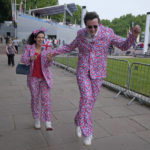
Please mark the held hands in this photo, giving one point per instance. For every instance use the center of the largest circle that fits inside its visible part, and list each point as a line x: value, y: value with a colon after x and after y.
x: 49, y: 57
x: 136, y: 30
x: 33, y: 58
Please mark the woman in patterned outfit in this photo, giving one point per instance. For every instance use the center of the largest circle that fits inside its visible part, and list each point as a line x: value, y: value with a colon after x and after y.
x: 39, y: 80
x: 93, y: 43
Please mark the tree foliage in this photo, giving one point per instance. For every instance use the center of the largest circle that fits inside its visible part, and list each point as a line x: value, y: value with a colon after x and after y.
x: 77, y: 15
x: 39, y: 3
x: 5, y: 10
x: 122, y: 25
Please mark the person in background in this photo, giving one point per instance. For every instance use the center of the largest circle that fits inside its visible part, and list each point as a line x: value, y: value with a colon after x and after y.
x: 93, y: 42
x: 39, y: 80
x: 111, y: 49
x: 149, y: 46
x: 1, y: 39
x: 63, y: 42
x: 10, y: 51
x: 7, y: 39
x: 16, y: 44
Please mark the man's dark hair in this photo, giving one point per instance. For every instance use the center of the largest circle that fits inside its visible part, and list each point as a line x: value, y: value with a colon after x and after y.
x: 91, y: 16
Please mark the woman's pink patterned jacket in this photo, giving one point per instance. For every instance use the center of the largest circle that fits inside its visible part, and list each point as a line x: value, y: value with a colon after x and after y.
x: 30, y: 51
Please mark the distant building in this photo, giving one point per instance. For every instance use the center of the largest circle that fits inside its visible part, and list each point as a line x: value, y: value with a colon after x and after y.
x: 7, y: 29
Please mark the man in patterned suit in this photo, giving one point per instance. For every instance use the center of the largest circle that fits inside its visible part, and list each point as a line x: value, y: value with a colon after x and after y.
x: 93, y: 43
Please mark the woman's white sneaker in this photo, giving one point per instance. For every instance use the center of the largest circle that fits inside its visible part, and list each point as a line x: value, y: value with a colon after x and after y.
x: 37, y: 124
x: 48, y: 125
x: 78, y: 132
x: 88, y: 140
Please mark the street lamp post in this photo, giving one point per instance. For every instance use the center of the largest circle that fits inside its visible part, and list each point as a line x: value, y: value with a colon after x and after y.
x: 25, y: 6
x: 82, y: 16
x: 15, y: 20
x: 146, y: 38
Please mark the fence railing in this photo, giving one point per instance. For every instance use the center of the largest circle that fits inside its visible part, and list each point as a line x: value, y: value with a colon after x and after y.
x: 132, y: 80
x: 139, y: 80
x: 118, y: 72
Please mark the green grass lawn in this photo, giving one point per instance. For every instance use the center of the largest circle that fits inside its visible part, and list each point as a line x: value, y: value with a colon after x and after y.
x: 72, y: 61
x: 68, y: 61
x: 118, y: 72
x: 138, y: 60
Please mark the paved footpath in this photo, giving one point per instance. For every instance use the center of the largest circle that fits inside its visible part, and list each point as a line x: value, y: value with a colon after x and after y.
x: 117, y: 126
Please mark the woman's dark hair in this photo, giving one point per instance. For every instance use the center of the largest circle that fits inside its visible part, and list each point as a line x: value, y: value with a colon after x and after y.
x: 91, y: 16
x: 32, y: 36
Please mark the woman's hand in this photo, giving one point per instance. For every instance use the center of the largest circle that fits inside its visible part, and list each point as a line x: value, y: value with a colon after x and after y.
x: 49, y: 57
x: 7, y: 51
x: 33, y: 58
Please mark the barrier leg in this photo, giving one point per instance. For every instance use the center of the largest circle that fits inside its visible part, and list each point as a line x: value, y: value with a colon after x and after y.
x: 131, y: 101
x: 117, y: 94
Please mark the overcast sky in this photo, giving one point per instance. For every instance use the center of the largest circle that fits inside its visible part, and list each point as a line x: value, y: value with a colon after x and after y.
x: 110, y: 9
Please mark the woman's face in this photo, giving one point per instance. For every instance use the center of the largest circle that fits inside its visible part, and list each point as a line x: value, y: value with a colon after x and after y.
x: 10, y: 41
x: 39, y: 39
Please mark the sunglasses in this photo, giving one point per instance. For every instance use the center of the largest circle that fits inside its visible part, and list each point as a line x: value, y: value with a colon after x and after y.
x: 90, y: 27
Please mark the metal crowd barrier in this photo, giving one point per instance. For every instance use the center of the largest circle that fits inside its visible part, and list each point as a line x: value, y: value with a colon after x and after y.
x: 139, y: 82
x: 133, y: 81
x: 117, y: 74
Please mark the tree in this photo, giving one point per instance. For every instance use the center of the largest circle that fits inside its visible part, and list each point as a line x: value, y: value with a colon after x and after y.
x: 5, y: 10
x: 77, y: 15
x: 122, y: 25
x: 76, y: 18
x: 32, y: 4
x: 106, y: 22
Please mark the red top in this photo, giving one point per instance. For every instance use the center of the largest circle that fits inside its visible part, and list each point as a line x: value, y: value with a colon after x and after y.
x: 37, y: 70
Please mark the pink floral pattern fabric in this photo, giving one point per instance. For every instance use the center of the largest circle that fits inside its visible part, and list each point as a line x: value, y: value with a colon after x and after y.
x: 39, y: 86
x: 91, y: 69
x: 93, y: 55
x: 30, y: 51
x: 89, y: 89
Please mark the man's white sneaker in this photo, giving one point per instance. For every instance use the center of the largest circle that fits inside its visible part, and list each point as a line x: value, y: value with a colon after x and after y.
x: 48, y: 125
x: 37, y: 124
x: 78, y: 132
x: 88, y: 140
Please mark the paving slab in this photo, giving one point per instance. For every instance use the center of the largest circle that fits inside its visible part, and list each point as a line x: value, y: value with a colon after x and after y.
x: 99, y: 114
x: 117, y: 126
x: 145, y: 135
x: 118, y: 111
x: 22, y: 140
x: 139, y: 109
x: 120, y: 142
x: 143, y: 120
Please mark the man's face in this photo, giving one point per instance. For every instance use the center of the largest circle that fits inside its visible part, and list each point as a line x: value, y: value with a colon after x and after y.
x: 92, y: 26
